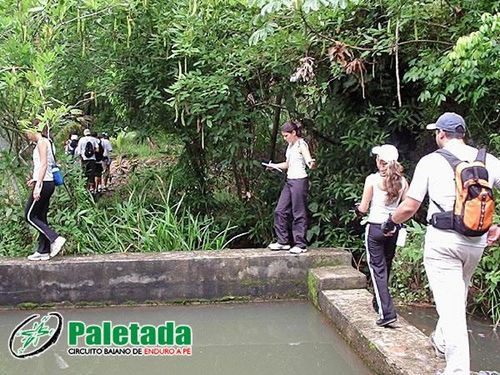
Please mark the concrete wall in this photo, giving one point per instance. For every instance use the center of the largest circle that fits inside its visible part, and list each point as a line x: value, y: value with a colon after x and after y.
x: 165, y: 277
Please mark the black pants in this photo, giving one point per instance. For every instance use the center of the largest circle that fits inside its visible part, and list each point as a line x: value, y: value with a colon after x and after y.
x: 89, y: 170
x: 380, y: 251
x: 35, y: 214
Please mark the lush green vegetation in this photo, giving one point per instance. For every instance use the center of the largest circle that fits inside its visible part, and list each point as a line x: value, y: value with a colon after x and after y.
x: 219, y: 77
x: 140, y: 217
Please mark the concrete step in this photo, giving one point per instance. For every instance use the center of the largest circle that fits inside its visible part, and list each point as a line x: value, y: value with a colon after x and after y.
x: 340, y: 277
x: 333, y: 277
x: 401, y: 350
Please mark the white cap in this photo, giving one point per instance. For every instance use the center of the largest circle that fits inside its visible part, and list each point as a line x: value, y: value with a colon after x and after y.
x: 386, y: 153
x: 86, y: 132
x: 74, y: 137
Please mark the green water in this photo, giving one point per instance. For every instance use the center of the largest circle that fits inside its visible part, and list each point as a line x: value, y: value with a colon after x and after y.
x: 484, y: 341
x: 282, y: 338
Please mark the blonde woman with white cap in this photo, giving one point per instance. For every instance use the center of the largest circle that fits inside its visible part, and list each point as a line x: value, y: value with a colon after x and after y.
x: 381, y: 195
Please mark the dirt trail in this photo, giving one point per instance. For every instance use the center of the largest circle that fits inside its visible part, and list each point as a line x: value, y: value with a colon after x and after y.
x: 122, y: 168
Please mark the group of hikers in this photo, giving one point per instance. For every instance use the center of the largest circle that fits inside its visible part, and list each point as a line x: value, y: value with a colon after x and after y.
x: 94, y: 151
x: 458, y: 179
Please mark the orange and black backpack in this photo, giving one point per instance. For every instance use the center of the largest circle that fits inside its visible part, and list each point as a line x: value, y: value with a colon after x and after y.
x: 474, y: 207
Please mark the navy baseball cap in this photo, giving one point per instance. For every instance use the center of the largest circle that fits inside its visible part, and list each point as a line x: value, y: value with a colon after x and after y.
x: 449, y: 122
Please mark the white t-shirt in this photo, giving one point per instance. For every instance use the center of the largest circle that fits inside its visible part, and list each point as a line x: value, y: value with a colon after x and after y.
x: 296, y: 161
x: 435, y: 176
x: 80, y: 149
x: 379, y: 209
x: 37, y: 162
x: 106, y: 147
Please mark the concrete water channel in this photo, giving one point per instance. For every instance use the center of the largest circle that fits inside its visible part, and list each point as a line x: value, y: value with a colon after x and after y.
x: 281, y: 338
x: 338, y: 337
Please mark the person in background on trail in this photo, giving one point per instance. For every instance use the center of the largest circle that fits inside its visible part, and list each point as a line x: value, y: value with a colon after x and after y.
x: 71, y: 145
x: 106, y: 160
x: 42, y: 184
x: 87, y: 146
x: 381, y: 195
x: 98, y: 162
x: 450, y: 255
x: 291, y: 210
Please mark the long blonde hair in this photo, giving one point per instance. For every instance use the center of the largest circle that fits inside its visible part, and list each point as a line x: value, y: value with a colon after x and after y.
x: 393, y: 181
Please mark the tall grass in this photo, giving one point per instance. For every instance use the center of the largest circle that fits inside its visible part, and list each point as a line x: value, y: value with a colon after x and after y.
x: 134, y: 225
x: 130, y: 224
x: 132, y: 144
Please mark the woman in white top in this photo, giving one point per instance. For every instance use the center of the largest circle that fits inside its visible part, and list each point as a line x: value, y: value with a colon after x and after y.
x: 381, y: 195
x: 291, y: 210
x: 37, y: 206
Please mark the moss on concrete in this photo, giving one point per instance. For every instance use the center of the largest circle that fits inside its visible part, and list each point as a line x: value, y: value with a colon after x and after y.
x: 312, y: 289
x: 28, y: 306
x: 91, y: 304
x: 326, y: 261
x: 199, y: 301
x: 254, y: 282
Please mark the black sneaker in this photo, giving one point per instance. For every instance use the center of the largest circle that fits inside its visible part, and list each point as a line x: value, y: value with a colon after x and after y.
x: 385, y: 322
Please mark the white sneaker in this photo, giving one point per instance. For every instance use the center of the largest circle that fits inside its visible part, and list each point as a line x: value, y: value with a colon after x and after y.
x: 56, y: 246
x: 297, y: 250
x: 38, y: 256
x: 439, y: 350
x: 277, y: 246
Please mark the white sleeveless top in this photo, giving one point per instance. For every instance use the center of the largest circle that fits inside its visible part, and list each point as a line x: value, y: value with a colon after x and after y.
x: 296, y: 161
x: 37, y: 163
x: 379, y: 209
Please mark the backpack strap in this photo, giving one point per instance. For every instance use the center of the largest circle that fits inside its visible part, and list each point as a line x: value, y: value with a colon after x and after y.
x: 52, y: 150
x: 437, y: 205
x: 454, y: 162
x: 481, y: 155
x: 452, y: 159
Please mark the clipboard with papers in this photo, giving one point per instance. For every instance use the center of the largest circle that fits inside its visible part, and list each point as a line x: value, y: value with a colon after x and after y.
x: 272, y: 166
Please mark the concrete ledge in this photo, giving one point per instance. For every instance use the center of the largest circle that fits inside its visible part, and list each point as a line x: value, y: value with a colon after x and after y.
x: 403, y: 350
x: 333, y: 277
x: 340, y: 277
x: 165, y: 277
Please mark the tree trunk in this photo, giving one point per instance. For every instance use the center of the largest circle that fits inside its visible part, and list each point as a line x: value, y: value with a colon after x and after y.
x: 276, y: 124
x: 197, y: 161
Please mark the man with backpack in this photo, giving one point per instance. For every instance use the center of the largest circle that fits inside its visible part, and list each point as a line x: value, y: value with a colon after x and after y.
x: 87, y: 147
x: 99, y: 151
x: 71, y: 145
x: 459, y: 180
x: 106, y: 160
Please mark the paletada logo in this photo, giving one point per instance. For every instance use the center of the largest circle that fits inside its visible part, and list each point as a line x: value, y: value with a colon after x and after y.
x: 133, y: 334
x: 36, y: 334
x: 132, y: 339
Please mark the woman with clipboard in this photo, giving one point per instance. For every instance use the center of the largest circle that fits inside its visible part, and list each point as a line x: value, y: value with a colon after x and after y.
x: 291, y: 210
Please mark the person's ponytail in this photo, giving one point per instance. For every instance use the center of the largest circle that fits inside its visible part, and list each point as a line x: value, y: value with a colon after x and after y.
x: 393, y: 181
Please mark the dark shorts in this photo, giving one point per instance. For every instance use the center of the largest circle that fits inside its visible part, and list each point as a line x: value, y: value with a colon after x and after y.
x: 98, y: 169
x: 89, y: 169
